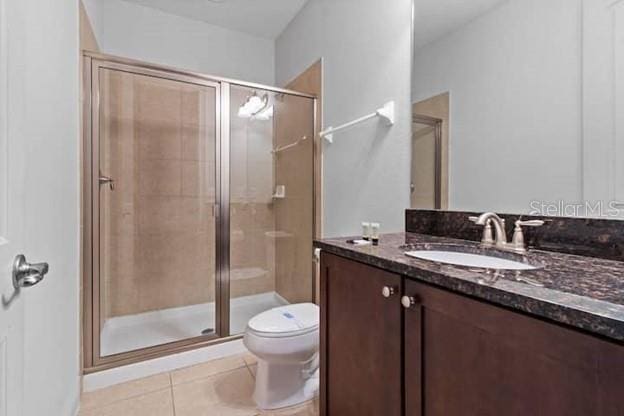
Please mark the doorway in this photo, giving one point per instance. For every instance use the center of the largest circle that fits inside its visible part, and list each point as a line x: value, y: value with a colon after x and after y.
x: 426, y: 170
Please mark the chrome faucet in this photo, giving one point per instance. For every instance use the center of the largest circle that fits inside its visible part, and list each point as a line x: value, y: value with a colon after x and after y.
x: 490, y: 218
x: 500, y: 241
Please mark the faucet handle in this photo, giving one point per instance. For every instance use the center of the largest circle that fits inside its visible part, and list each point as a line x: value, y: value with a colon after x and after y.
x: 517, y: 241
x: 529, y: 223
x: 488, y: 237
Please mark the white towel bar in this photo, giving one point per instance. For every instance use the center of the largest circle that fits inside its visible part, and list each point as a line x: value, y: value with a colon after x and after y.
x: 386, y: 113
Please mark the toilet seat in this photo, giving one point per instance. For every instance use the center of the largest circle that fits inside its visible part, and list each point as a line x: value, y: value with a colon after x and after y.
x: 285, y: 321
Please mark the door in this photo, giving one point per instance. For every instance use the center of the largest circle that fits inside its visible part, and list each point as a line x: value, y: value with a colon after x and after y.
x: 12, y: 312
x: 360, y: 339
x: 39, y: 176
x: 155, y: 215
x: 413, y: 351
x: 470, y: 358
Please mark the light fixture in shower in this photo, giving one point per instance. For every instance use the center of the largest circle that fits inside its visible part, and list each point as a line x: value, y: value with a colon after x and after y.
x: 256, y: 107
x: 265, y: 114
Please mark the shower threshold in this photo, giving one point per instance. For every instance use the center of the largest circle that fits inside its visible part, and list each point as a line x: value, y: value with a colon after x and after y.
x: 132, y: 332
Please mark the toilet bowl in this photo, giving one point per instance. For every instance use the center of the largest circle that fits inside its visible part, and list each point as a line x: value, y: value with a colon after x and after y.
x: 286, y: 341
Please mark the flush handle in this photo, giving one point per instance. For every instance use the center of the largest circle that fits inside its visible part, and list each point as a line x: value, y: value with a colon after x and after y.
x: 26, y: 274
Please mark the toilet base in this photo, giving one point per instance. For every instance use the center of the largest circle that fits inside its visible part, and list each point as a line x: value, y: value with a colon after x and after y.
x: 283, y: 385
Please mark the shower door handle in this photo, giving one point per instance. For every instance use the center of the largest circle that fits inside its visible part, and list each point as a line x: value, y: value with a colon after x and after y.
x: 106, y: 180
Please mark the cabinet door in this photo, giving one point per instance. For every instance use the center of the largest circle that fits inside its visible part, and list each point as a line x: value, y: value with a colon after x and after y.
x: 360, y: 340
x: 467, y: 357
x: 412, y: 361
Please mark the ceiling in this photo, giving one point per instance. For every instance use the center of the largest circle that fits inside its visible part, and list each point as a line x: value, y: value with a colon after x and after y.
x: 262, y: 18
x: 435, y: 18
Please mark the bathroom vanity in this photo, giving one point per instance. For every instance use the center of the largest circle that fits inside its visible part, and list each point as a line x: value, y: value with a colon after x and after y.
x: 405, y: 336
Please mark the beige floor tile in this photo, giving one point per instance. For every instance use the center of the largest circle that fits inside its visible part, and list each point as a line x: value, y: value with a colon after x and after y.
x: 252, y: 369
x: 226, y: 394
x: 123, y: 391
x: 157, y: 403
x: 208, y: 369
x: 250, y: 359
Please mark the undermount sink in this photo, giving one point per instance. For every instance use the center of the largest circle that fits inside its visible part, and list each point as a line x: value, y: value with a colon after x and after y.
x: 469, y: 260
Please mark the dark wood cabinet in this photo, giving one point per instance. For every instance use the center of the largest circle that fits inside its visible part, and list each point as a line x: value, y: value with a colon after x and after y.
x: 447, y: 354
x: 360, y: 339
x: 479, y: 359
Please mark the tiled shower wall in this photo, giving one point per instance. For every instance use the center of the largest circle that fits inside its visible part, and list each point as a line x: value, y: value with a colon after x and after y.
x: 157, y: 226
x: 157, y: 230
x: 294, y: 214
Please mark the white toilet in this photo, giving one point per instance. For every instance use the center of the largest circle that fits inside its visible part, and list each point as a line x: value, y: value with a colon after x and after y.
x: 286, y: 341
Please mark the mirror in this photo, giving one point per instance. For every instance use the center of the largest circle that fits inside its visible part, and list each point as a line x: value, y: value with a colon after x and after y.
x: 525, y: 102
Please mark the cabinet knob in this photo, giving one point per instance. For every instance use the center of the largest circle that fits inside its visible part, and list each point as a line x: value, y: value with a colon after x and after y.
x: 388, y: 291
x: 408, y: 301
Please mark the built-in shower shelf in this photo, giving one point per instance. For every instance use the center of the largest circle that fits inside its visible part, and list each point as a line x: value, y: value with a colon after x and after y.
x: 246, y: 273
x: 278, y: 234
x: 280, y: 192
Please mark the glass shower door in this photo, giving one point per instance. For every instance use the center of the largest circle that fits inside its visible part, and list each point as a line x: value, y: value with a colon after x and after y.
x: 156, y: 186
x: 271, y: 201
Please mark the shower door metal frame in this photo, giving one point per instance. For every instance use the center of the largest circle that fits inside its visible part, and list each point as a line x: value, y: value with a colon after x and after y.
x: 92, y: 288
x: 92, y: 63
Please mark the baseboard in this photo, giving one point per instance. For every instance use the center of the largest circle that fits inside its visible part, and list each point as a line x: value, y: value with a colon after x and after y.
x: 74, y: 407
x: 106, y: 378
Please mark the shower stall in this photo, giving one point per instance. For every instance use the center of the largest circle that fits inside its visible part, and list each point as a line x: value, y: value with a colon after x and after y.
x: 198, y: 207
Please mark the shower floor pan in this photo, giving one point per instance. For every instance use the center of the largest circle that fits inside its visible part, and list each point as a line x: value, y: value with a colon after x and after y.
x: 133, y: 332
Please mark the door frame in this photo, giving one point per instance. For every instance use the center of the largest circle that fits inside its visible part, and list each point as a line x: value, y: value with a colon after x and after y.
x: 11, y: 301
x: 92, y: 62
x: 4, y: 130
x: 436, y: 123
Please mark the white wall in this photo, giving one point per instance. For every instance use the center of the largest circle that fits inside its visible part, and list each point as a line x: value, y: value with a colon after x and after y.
x: 144, y: 33
x: 514, y: 77
x: 366, y: 48
x: 94, y: 11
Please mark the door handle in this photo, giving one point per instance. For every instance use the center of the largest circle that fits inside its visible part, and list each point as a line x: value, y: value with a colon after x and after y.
x: 106, y: 180
x: 26, y: 274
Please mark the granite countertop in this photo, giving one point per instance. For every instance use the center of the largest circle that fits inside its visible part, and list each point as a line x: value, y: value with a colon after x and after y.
x: 582, y: 292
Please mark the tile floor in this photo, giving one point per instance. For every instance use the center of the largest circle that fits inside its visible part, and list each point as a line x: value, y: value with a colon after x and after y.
x: 217, y: 388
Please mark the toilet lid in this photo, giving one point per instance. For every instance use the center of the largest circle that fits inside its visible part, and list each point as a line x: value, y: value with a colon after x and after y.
x: 286, y: 320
